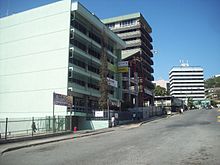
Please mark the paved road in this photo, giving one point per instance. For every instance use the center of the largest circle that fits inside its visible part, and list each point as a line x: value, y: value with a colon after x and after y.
x: 189, y: 139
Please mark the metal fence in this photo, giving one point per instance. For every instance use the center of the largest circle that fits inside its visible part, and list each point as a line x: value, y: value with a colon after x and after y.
x: 21, y: 127
x: 141, y: 113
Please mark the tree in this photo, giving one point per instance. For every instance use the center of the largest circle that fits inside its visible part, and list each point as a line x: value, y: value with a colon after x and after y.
x: 190, y: 103
x: 103, y: 85
x: 213, y: 103
x: 159, y: 91
x: 212, y: 82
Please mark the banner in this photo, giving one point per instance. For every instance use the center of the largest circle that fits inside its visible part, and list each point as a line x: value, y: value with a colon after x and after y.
x: 123, y: 69
x: 63, y: 100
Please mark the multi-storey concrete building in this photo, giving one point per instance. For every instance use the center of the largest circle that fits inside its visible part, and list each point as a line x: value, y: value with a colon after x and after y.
x: 187, y: 82
x: 135, y: 31
x: 55, y: 48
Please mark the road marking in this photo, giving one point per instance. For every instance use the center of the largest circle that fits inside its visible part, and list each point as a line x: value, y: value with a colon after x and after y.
x: 218, y: 117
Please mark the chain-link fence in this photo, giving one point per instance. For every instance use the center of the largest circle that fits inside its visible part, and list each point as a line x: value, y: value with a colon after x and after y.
x: 21, y: 127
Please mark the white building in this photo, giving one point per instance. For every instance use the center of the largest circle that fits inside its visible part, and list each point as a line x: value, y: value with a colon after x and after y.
x: 187, y: 82
x: 39, y: 47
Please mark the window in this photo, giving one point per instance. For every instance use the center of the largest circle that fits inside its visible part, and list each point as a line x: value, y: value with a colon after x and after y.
x: 94, y: 37
x: 77, y: 81
x: 78, y: 63
x: 111, y: 25
x: 93, y: 69
x: 94, y: 53
x: 110, y: 48
x: 93, y: 86
x: 78, y: 26
x: 127, y: 23
x: 78, y: 44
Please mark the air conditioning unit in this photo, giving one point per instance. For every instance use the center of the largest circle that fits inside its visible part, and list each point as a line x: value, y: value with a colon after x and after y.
x: 70, y: 89
x: 70, y: 73
x: 71, y: 52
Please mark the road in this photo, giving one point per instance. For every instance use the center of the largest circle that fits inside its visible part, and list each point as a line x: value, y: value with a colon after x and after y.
x: 189, y: 139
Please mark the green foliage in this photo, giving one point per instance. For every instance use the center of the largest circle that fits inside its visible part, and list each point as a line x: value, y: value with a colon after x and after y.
x: 190, y: 103
x: 212, y: 82
x: 159, y: 91
x: 213, y: 103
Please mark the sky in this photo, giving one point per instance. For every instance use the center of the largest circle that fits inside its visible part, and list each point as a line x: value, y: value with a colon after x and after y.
x: 186, y: 30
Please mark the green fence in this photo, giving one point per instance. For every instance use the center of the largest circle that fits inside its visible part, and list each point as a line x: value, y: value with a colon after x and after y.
x: 21, y: 127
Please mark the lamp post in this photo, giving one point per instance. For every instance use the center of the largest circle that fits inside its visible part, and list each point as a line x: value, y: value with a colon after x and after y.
x: 108, y: 110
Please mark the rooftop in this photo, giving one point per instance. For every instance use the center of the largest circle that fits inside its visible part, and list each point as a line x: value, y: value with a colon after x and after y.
x: 127, y: 17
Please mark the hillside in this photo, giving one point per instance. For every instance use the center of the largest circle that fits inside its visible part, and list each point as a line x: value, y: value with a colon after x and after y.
x: 212, y: 82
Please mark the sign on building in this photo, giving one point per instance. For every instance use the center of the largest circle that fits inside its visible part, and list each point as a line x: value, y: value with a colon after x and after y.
x: 123, y: 69
x: 99, y: 114
x: 123, y: 66
x: 122, y: 63
x: 63, y: 100
x: 112, y: 82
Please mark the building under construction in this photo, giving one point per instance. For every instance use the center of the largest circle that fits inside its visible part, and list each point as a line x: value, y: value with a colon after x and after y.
x: 137, y: 79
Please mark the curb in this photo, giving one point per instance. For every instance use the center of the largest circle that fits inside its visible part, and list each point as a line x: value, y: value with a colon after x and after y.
x: 56, y: 140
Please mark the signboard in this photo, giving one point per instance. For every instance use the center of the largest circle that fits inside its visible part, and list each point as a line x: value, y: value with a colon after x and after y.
x: 123, y: 69
x: 122, y: 63
x: 112, y: 82
x: 112, y: 68
x: 148, y: 92
x: 99, y: 114
x: 63, y: 100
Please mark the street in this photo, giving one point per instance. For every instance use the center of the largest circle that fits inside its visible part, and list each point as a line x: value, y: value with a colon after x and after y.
x: 189, y: 139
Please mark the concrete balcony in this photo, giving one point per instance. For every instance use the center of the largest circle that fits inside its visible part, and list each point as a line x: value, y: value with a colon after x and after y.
x: 126, y: 28
x: 129, y: 34
x: 133, y: 43
x: 74, y: 30
x: 78, y: 52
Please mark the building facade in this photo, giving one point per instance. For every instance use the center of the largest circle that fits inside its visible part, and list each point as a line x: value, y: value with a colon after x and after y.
x: 187, y: 82
x: 55, y: 48
x: 137, y: 81
x: 168, y: 103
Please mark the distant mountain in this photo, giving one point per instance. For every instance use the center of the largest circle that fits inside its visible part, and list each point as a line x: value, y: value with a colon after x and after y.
x: 213, y: 82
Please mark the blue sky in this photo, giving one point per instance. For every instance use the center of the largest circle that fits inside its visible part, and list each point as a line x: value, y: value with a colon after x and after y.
x: 182, y: 29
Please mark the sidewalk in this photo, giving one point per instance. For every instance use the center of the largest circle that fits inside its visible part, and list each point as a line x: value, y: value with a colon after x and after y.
x: 18, y: 145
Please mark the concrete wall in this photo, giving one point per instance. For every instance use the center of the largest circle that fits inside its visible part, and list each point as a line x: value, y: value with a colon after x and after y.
x: 34, y: 48
x: 92, y: 124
